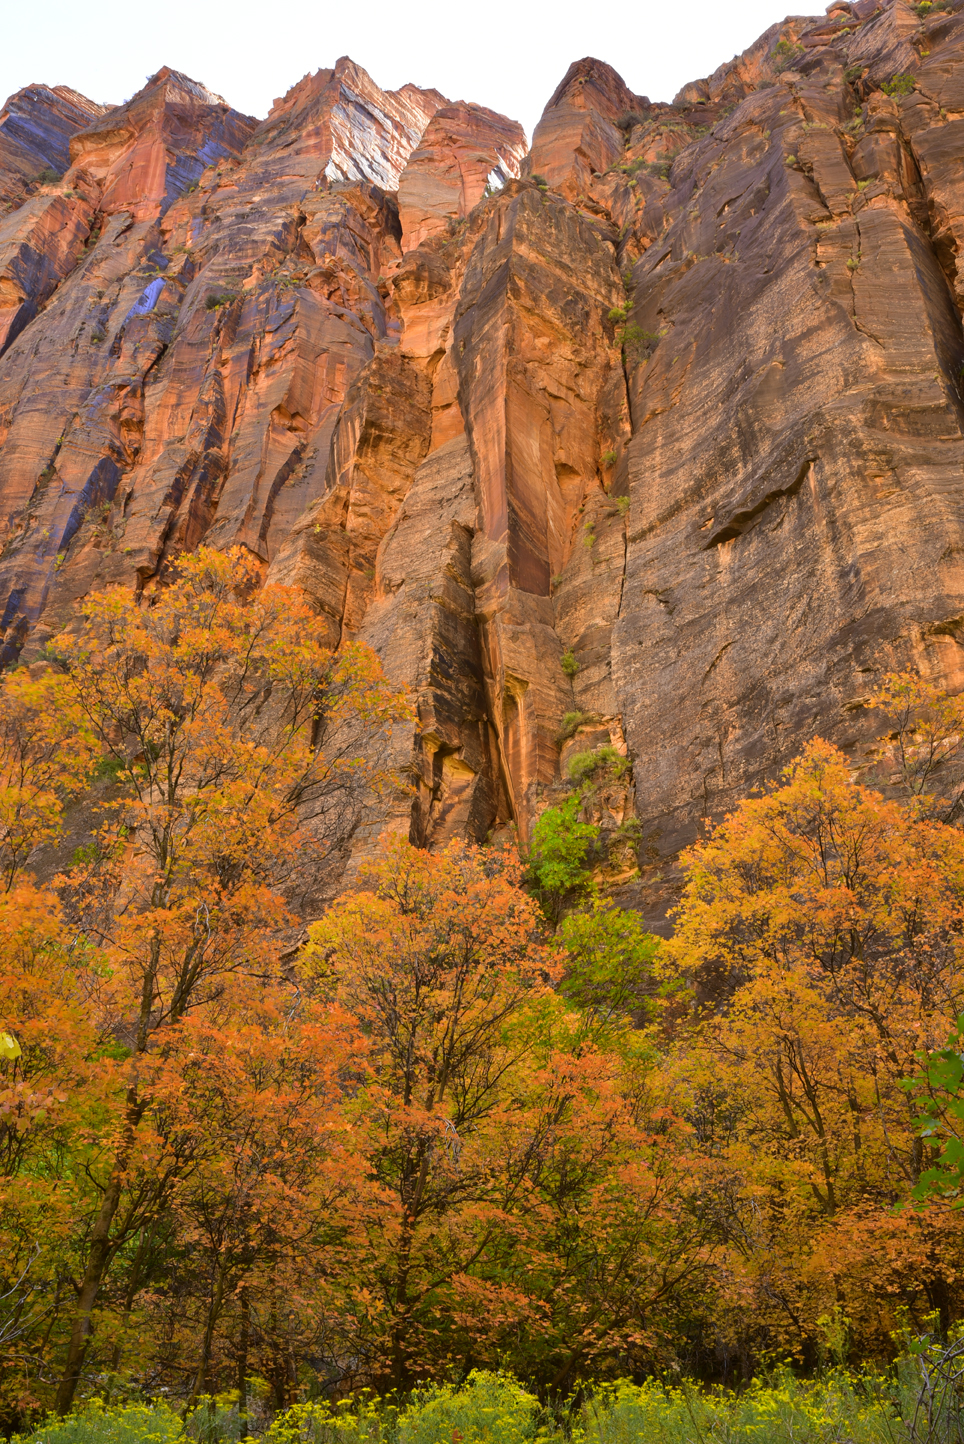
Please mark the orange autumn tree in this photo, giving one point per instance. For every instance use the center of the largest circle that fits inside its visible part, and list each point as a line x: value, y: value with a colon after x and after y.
x: 252, y: 1221
x: 822, y: 926
x: 50, y: 1074
x: 229, y: 725
x: 520, y: 1204
x: 924, y: 752
x: 433, y: 962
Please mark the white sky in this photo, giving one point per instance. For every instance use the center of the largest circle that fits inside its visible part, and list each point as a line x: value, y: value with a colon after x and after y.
x: 507, y: 54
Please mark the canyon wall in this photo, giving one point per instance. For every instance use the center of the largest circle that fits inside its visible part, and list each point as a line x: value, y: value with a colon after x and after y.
x: 653, y: 436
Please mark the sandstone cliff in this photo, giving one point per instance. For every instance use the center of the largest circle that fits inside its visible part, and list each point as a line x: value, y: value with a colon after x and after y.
x: 675, y: 399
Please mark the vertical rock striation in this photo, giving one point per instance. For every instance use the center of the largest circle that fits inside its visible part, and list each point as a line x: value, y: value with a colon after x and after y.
x: 466, y: 152
x: 675, y: 399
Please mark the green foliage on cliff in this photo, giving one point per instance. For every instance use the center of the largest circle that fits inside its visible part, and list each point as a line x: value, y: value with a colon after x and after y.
x: 589, y: 766
x: 559, y: 856
x: 568, y: 663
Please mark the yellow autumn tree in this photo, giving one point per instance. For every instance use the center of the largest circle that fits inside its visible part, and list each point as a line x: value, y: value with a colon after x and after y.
x: 821, y: 926
x: 235, y: 737
x: 47, y: 752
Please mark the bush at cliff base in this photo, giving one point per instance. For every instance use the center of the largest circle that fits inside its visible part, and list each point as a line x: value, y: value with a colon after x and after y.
x: 495, y: 1409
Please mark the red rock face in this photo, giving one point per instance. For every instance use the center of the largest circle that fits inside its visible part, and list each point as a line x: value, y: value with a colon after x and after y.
x: 577, y: 136
x: 465, y: 153
x: 148, y: 151
x: 681, y: 405
x: 364, y: 133
x: 36, y: 126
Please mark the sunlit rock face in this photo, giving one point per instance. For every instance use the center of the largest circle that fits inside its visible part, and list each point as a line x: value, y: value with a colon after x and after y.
x: 657, y: 429
x: 467, y: 152
x: 36, y: 126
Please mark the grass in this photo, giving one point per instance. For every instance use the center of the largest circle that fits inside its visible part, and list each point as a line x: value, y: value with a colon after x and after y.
x: 839, y: 1407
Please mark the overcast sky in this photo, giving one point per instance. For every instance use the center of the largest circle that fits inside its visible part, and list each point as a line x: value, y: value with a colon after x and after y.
x: 507, y: 54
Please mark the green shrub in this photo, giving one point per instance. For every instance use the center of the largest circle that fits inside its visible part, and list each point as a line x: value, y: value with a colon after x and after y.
x: 357, y: 1421
x: 637, y: 343
x: 558, y: 858
x: 217, y: 299
x: 571, y: 723
x: 608, y: 458
x: 215, y: 1419
x: 786, y: 53
x: 783, y: 1410
x: 859, y: 1408
x: 568, y: 663
x: 490, y: 1409
x: 48, y: 176
x: 113, y: 768
x: 609, y: 960
x: 898, y: 85
x: 585, y: 766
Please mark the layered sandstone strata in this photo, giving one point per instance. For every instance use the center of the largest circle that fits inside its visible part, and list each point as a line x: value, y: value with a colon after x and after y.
x: 657, y: 444
x: 36, y: 126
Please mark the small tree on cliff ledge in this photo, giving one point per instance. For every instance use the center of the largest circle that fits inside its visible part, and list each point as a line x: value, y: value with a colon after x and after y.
x: 215, y: 702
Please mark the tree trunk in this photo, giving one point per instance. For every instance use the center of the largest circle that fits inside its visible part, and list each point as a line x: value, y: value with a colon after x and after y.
x: 243, y: 1344
x: 214, y: 1313
x: 97, y: 1260
x: 98, y: 1256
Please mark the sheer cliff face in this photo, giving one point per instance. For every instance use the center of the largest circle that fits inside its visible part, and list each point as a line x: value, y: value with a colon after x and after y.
x: 679, y: 392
